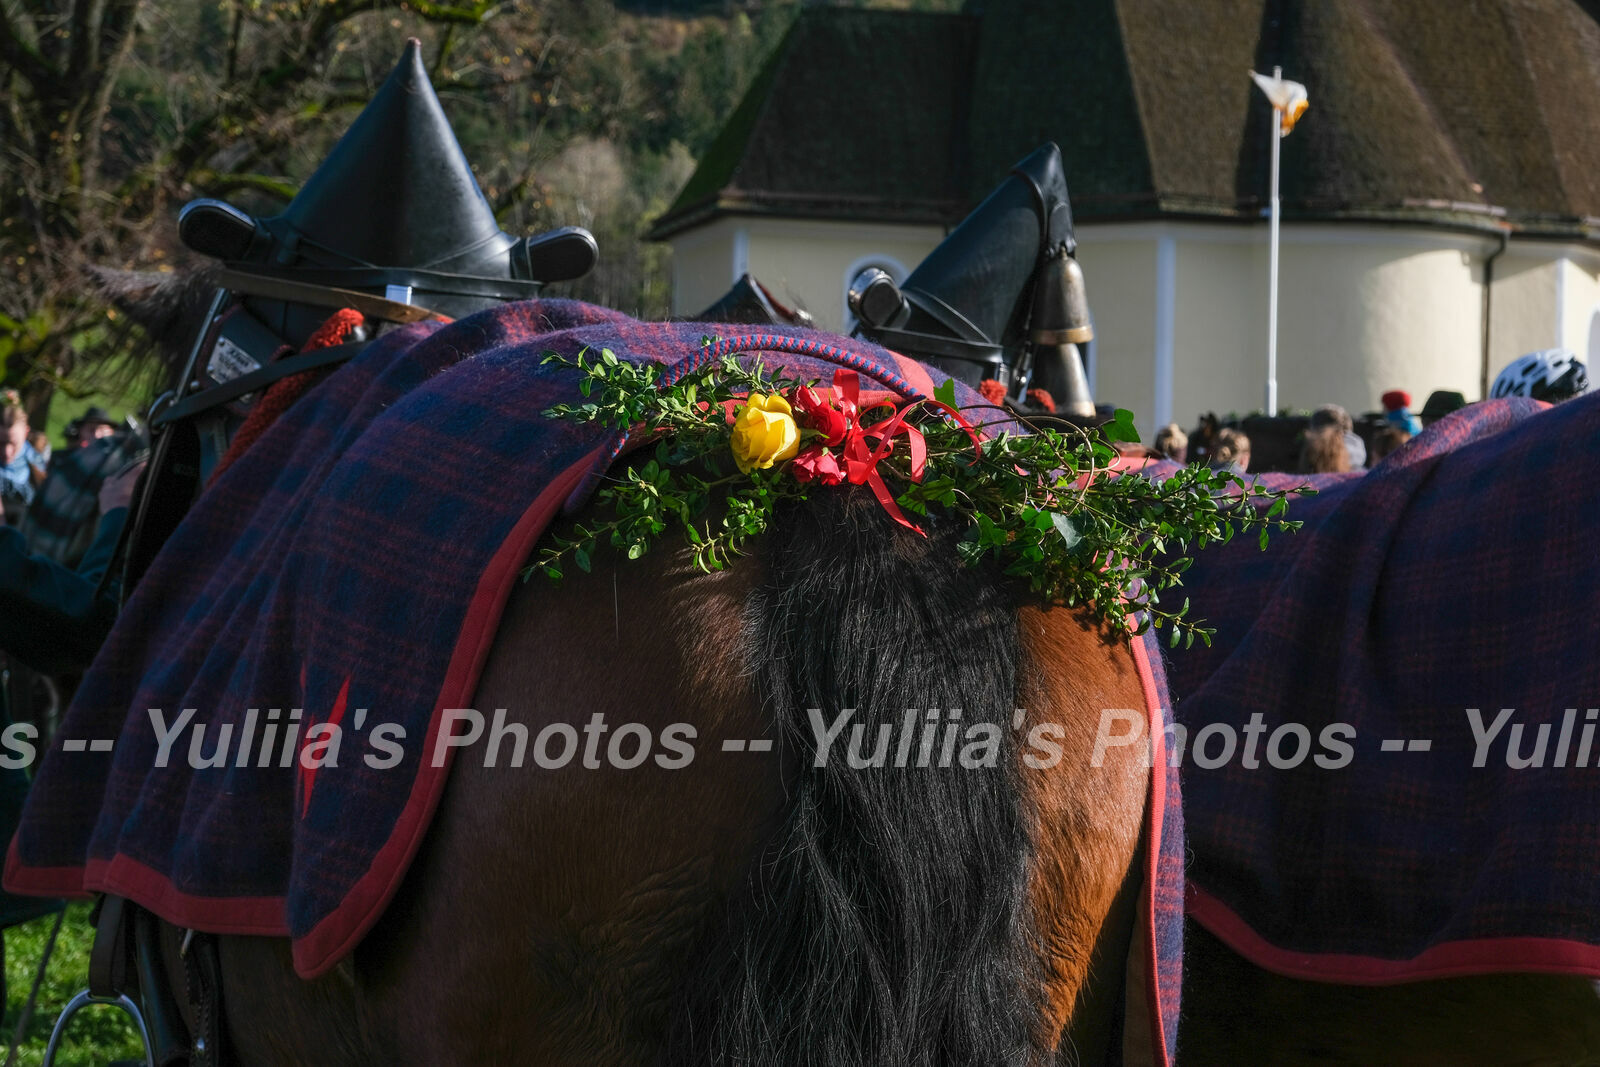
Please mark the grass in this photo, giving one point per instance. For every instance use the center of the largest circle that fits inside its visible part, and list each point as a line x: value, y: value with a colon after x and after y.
x: 98, y: 1035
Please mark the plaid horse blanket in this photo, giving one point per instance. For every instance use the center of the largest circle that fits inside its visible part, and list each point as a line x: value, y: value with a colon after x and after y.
x: 351, y: 568
x: 1391, y: 771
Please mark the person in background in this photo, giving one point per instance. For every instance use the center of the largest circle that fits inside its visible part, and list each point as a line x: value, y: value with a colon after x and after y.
x: 1552, y: 374
x: 1334, y: 415
x: 61, y: 519
x: 1387, y: 440
x: 41, y: 445
x: 92, y: 425
x: 1397, y: 410
x: 54, y: 618
x: 1173, y: 443
x: 1231, y: 452
x: 1441, y: 402
x: 1324, y: 451
x: 21, y: 467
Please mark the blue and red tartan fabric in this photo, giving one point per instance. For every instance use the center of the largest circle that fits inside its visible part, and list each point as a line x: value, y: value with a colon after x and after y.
x: 1463, y: 572
x: 357, y: 556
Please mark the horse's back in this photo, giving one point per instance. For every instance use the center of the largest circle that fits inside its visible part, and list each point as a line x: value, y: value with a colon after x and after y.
x: 584, y: 913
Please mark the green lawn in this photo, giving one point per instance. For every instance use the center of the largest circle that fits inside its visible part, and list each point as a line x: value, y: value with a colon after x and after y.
x: 99, y: 1034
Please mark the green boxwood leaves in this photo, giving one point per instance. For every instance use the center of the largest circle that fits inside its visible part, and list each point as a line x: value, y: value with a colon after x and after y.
x: 1045, y: 506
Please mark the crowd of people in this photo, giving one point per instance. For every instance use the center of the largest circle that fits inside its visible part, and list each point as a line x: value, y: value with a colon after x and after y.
x: 61, y: 515
x: 1331, y: 443
x: 29, y: 460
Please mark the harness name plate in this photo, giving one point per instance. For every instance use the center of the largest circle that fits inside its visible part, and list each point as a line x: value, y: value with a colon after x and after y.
x: 229, y: 361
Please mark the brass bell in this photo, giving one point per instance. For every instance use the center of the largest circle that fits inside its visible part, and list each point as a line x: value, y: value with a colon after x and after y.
x: 1060, y: 305
x: 1059, y: 323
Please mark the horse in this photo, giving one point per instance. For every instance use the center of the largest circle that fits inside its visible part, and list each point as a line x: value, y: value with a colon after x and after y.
x: 765, y: 915
x: 773, y: 907
x: 1421, y: 901
x: 763, y: 910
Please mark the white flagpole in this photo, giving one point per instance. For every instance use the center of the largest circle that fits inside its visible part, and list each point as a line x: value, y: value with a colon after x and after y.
x: 1272, y: 266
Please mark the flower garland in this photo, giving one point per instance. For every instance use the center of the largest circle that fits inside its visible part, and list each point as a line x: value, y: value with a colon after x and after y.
x: 1046, y: 505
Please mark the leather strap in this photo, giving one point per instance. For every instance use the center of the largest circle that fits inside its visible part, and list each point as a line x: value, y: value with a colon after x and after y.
x: 323, y: 296
x: 111, y: 957
x: 202, y: 970
x: 244, y: 384
x: 909, y: 342
x: 165, y: 492
x: 163, y: 1018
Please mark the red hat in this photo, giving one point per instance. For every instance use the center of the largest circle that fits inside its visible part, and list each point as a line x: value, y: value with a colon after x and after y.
x: 1395, y: 399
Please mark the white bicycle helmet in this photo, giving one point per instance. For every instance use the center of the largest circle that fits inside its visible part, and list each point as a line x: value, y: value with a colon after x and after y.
x: 1554, y: 374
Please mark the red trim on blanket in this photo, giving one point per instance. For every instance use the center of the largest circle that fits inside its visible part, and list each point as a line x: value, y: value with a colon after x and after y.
x: 1453, y: 959
x: 125, y: 876
x: 1157, y: 808
x: 41, y: 881
x: 341, y: 929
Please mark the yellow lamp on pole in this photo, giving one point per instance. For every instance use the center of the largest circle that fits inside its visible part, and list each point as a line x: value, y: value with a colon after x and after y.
x: 1289, y: 101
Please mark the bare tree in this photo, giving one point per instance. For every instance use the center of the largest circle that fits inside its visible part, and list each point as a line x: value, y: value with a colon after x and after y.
x: 77, y: 188
x: 114, y: 112
x: 59, y: 67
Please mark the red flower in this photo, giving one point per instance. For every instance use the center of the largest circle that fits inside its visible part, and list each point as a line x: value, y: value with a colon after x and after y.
x: 1041, y: 398
x: 992, y: 391
x: 817, y: 464
x: 827, y: 412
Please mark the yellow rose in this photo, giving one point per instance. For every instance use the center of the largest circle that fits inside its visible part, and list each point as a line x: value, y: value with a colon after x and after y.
x: 764, y: 433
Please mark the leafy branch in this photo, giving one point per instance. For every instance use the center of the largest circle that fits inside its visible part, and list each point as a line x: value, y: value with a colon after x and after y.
x: 1046, y: 506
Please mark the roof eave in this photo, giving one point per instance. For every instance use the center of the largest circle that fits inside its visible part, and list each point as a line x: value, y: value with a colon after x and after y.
x: 1138, y: 207
x: 839, y: 208
x: 1449, y: 215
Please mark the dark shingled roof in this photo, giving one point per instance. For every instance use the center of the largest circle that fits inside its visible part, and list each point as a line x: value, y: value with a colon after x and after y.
x: 1475, y: 113
x: 857, y: 114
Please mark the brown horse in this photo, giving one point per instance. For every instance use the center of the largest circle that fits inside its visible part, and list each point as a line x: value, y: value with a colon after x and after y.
x: 751, y: 908
x: 1340, y: 579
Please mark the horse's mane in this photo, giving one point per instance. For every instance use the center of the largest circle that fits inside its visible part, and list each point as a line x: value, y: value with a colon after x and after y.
x: 888, y: 923
x: 169, y: 306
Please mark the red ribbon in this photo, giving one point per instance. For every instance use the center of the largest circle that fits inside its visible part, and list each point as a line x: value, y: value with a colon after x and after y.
x: 862, y: 456
x: 961, y: 421
x: 864, y: 447
x: 862, y: 459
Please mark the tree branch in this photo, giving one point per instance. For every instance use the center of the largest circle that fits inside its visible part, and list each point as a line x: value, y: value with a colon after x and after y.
x: 83, y: 53
x: 116, y: 36
x: 267, y: 91
x: 222, y: 184
x: 24, y: 57
x: 233, y: 42
x: 470, y: 15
